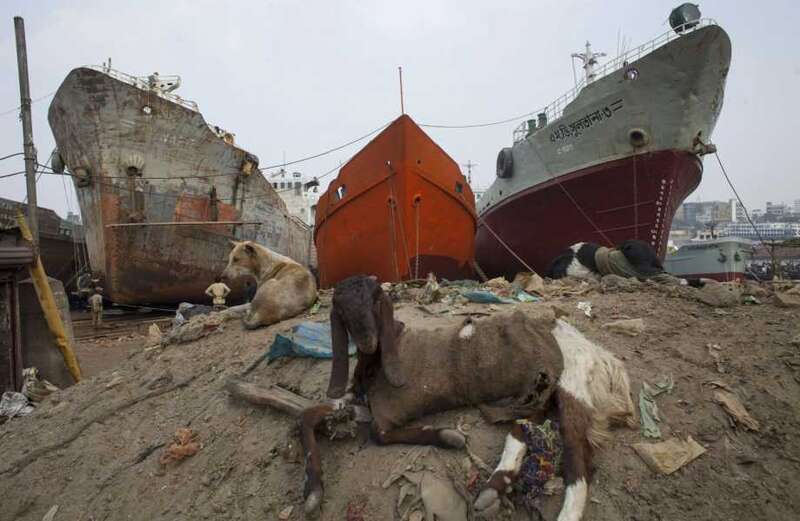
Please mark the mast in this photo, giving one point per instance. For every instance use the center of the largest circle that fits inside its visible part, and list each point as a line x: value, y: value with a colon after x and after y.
x: 589, y: 60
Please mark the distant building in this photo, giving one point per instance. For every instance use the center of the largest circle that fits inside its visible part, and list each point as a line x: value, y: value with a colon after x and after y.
x: 50, y: 224
x: 769, y: 231
x: 702, y: 213
x: 775, y: 210
x: 738, y: 214
x: 298, y: 192
x: 796, y: 207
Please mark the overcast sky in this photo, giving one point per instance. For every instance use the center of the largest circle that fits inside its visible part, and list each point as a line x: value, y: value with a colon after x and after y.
x: 292, y: 78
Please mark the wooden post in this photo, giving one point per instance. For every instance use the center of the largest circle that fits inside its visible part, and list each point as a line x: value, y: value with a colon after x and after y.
x: 27, y: 128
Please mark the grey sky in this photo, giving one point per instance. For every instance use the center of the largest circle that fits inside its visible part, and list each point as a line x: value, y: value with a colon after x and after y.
x: 296, y: 78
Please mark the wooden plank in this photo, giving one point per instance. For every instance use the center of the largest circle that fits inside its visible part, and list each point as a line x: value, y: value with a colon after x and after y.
x: 272, y: 396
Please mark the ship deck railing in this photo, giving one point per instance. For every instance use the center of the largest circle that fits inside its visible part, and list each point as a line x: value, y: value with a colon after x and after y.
x: 144, y: 84
x: 555, y: 110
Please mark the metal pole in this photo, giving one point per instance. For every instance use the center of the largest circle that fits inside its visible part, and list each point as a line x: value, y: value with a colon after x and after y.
x: 402, y: 106
x: 27, y: 127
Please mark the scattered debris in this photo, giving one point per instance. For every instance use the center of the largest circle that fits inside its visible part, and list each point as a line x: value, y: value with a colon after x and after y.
x: 721, y: 295
x: 307, y: 339
x: 14, y: 404
x: 183, y: 446
x: 529, y: 282
x: 431, y: 292
x: 51, y: 514
x: 355, y: 510
x: 714, y: 351
x: 497, y: 283
x: 735, y: 409
x: 115, y: 382
x: 615, y: 283
x: 788, y: 299
x: 286, y: 513
x: 668, y: 456
x: 586, y: 307
x: 154, y: 335
x: 648, y: 410
x: 541, y: 464
x: 34, y: 388
x: 485, y: 297
x: 440, y: 498
x: 553, y: 486
x: 630, y: 327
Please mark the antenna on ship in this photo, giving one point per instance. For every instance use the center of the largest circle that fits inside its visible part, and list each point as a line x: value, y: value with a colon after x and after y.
x: 589, y: 60
x: 469, y: 164
x: 402, y: 106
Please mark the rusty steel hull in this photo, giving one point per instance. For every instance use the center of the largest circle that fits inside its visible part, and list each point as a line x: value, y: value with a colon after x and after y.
x: 138, y: 158
x: 399, y: 209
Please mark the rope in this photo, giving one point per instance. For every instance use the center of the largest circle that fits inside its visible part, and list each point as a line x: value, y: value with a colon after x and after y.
x: 506, y: 246
x: 635, y: 202
x: 417, y: 204
x: 738, y: 198
x: 400, y: 222
x: 574, y: 202
x: 394, y: 237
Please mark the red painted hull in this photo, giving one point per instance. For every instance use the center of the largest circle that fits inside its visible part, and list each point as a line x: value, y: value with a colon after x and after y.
x: 719, y: 277
x: 631, y: 198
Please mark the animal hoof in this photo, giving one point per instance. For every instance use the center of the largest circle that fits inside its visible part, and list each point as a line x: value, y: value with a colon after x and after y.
x: 452, y: 438
x: 313, y: 502
x: 488, y: 503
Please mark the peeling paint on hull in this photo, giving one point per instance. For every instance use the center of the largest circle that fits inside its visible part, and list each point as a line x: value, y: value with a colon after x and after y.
x: 137, y: 157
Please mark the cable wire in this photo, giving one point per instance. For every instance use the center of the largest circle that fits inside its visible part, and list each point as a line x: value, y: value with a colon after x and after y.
x: 12, y: 155
x: 18, y: 107
x: 480, y: 125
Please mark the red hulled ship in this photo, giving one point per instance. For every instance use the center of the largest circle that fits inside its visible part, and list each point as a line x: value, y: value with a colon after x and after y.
x: 399, y: 209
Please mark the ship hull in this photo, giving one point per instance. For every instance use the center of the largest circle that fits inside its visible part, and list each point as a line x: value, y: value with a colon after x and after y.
x: 724, y: 260
x: 639, y: 197
x: 597, y: 172
x: 152, y: 178
x: 406, y: 211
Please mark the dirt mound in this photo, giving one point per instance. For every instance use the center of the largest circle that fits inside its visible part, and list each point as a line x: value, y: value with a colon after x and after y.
x: 94, y: 449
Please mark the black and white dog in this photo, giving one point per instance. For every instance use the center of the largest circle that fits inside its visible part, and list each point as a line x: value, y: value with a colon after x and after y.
x: 579, y: 260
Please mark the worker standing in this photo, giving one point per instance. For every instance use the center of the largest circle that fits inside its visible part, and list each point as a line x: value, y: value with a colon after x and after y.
x: 96, y: 307
x: 218, y: 291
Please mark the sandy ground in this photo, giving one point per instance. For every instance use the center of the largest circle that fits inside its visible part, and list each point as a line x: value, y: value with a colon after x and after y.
x: 93, y: 449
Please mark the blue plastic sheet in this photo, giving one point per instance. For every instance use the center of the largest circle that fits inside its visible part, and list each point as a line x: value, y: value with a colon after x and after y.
x: 486, y: 297
x: 307, y: 340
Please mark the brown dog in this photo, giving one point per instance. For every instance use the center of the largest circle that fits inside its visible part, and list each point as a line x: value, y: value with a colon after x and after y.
x: 285, y: 288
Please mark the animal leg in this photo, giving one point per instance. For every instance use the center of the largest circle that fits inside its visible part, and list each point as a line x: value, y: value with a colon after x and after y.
x: 576, y: 423
x: 313, y: 490
x: 445, y: 438
x: 503, y: 477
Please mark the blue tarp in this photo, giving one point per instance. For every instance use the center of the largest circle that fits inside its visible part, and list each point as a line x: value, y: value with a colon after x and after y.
x: 487, y: 297
x: 307, y: 339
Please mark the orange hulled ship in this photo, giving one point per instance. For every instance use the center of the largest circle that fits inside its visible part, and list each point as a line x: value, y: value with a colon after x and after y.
x: 399, y: 209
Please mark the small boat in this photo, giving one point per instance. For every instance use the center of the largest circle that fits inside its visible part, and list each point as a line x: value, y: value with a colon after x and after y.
x: 724, y: 259
x: 399, y: 209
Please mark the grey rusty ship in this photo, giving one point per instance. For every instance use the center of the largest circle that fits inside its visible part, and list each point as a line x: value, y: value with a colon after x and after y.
x: 161, y: 191
x: 614, y: 157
